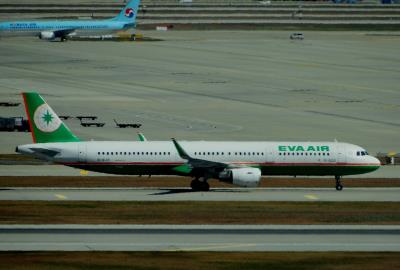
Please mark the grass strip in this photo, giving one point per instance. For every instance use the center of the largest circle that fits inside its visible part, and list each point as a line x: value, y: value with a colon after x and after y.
x: 200, y: 260
x: 160, y: 181
x: 133, y: 212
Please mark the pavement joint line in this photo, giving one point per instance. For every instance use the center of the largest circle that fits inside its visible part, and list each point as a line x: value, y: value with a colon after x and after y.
x: 214, y: 246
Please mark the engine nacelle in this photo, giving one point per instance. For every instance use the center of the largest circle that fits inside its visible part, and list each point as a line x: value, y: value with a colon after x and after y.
x: 243, y: 177
x: 47, y: 35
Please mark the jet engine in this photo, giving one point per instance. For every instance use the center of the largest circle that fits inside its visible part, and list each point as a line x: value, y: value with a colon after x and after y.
x: 47, y: 35
x: 243, y: 177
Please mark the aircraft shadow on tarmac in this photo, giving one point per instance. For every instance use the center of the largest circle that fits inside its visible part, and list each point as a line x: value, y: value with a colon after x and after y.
x: 188, y: 190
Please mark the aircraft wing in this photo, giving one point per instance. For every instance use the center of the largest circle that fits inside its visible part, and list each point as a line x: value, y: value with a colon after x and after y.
x: 195, y: 165
x: 63, y: 32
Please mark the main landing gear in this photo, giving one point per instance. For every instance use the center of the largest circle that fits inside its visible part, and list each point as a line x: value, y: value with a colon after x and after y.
x: 200, y: 185
x: 338, y: 183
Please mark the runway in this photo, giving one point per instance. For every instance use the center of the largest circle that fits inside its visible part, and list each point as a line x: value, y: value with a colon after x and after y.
x: 199, y: 238
x: 186, y: 194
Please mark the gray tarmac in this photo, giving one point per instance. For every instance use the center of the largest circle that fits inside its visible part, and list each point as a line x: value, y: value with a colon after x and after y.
x: 186, y: 194
x: 215, y: 85
x: 199, y: 238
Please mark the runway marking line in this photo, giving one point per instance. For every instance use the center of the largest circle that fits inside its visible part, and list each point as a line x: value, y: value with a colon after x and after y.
x: 207, y: 247
x: 311, y: 197
x: 60, y: 196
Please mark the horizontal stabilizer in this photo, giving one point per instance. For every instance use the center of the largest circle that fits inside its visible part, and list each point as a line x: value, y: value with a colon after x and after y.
x: 44, y: 151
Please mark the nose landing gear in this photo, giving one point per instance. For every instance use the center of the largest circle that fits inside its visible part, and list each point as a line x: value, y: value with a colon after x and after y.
x: 338, y: 183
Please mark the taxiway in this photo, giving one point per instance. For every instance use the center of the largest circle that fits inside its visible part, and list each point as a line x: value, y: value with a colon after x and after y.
x: 186, y: 194
x: 199, y: 238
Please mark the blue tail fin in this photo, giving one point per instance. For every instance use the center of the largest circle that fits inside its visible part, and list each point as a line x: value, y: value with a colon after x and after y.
x: 129, y: 12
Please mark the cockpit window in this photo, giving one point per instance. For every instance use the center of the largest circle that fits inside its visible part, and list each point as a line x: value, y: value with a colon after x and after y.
x: 362, y: 153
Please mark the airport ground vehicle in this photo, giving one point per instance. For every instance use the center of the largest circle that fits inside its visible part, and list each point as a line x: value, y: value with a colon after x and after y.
x: 92, y: 124
x: 14, y: 124
x: 299, y: 36
x: 127, y: 125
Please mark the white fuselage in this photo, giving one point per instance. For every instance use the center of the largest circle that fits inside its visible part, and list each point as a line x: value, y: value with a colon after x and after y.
x: 273, y: 158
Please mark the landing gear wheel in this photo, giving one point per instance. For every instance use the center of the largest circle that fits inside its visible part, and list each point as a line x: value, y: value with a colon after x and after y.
x: 339, y: 187
x: 338, y: 183
x: 197, y: 185
x: 204, y: 186
x: 62, y: 39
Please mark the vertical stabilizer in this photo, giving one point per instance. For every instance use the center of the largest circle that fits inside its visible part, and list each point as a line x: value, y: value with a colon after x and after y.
x: 45, y: 125
x: 129, y: 12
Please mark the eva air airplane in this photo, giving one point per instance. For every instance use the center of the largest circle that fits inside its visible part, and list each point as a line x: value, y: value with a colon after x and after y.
x: 239, y: 163
x: 51, y: 30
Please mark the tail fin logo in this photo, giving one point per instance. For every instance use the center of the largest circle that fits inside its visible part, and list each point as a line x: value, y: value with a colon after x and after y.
x: 45, y: 119
x: 129, y: 12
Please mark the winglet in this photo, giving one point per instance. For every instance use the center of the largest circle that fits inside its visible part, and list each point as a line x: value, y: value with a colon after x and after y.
x: 142, y: 138
x: 182, y: 153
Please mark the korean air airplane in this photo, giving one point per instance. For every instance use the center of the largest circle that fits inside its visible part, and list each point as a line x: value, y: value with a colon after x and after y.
x: 239, y: 163
x: 51, y: 30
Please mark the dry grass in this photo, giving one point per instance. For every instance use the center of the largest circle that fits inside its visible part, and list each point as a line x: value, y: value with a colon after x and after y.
x: 199, y: 260
x: 89, y: 212
x: 15, y: 157
x: 132, y: 181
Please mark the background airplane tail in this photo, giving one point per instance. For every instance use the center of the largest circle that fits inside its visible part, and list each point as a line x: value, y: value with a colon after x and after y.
x: 129, y: 12
x: 45, y: 125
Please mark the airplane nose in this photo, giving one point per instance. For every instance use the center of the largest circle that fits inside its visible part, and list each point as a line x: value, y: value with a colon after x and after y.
x: 376, y: 161
x: 372, y: 161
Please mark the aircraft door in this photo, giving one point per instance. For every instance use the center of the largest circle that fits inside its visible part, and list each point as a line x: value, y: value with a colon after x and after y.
x: 82, y: 152
x: 341, y: 155
x: 270, y: 154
